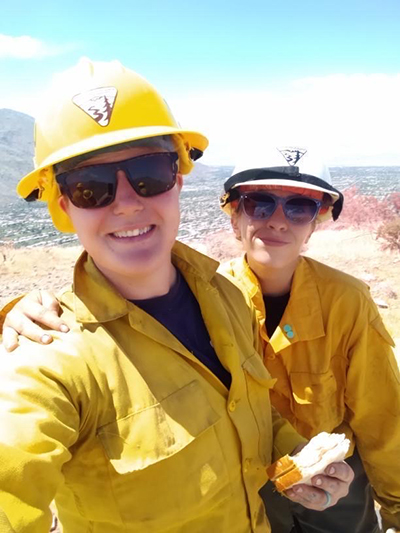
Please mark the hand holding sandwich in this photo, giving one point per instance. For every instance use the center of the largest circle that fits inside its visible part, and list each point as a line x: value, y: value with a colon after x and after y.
x: 315, y: 474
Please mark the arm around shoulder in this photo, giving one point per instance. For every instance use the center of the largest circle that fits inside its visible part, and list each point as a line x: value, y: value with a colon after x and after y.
x: 27, y: 315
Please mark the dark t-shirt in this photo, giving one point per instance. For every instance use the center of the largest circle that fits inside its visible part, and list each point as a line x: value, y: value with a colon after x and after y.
x: 180, y: 313
x: 274, y: 308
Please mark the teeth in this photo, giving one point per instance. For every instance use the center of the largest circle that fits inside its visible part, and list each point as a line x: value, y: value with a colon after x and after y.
x: 132, y: 232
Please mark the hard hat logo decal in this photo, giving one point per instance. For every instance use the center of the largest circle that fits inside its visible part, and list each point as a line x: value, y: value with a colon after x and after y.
x: 97, y: 103
x: 292, y: 155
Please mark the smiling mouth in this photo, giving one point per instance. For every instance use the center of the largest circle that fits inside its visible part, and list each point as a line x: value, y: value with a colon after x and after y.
x: 132, y: 232
x: 272, y: 241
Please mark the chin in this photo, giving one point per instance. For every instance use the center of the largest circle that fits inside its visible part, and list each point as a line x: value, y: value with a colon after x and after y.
x: 270, y: 260
x: 129, y: 264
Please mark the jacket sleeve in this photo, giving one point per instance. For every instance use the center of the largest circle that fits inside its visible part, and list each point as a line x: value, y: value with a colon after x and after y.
x: 373, y: 401
x: 38, y: 424
x: 286, y: 438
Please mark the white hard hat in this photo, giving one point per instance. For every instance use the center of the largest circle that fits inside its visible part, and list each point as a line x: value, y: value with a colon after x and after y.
x: 282, y: 167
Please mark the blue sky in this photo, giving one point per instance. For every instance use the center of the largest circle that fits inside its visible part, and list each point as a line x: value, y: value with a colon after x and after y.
x: 231, y: 70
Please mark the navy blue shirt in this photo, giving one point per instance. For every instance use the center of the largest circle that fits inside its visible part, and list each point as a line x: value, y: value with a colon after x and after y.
x: 180, y: 313
x: 274, y: 308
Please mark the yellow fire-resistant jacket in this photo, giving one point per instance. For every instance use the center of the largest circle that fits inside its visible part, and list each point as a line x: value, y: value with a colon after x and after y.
x: 127, y: 429
x: 335, y: 367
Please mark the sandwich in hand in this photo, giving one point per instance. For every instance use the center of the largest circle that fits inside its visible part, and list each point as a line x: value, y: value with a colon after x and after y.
x: 321, y: 451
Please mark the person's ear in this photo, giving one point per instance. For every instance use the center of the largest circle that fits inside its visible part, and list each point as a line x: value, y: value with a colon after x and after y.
x: 63, y: 203
x: 235, y: 227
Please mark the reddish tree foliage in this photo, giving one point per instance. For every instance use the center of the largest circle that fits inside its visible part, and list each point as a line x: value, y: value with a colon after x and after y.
x: 380, y: 215
x: 364, y: 211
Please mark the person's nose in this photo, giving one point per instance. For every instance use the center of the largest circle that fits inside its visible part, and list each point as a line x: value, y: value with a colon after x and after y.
x: 278, y: 220
x: 126, y: 198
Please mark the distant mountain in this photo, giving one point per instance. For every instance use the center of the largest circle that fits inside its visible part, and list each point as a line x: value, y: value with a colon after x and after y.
x: 16, y: 151
x: 17, y: 147
x: 201, y: 171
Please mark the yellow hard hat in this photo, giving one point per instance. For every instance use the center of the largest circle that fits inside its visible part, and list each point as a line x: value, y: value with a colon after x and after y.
x: 96, y: 105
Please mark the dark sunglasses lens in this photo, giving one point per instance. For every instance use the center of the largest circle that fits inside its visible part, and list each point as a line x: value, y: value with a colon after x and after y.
x: 301, y: 210
x: 259, y: 206
x: 90, y: 187
x: 153, y: 174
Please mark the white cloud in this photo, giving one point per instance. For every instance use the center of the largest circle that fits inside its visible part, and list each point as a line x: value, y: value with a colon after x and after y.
x: 353, y: 119
x: 24, y: 103
x: 26, y: 47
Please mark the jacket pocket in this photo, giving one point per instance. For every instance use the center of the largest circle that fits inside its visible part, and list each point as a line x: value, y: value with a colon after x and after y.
x: 159, y: 431
x: 259, y: 383
x: 165, y: 461
x: 315, y: 402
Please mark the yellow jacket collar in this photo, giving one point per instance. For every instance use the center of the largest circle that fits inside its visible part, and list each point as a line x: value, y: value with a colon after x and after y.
x: 247, y: 278
x: 189, y: 260
x: 303, y: 314
x: 95, y: 300
x: 249, y: 281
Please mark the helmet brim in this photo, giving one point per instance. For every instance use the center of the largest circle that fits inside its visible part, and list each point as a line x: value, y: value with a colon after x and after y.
x: 336, y: 197
x: 30, y: 182
x: 291, y: 183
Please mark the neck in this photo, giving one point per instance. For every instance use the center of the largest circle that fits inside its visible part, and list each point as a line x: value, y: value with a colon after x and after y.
x: 273, y: 281
x: 144, y: 286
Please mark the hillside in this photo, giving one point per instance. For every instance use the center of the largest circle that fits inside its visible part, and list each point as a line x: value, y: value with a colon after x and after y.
x: 17, y: 147
x: 16, y: 151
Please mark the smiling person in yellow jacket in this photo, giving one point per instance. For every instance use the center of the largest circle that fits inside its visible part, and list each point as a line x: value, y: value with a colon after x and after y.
x: 324, y: 340
x: 153, y: 413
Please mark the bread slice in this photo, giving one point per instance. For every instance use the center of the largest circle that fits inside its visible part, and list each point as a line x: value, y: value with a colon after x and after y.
x: 321, y: 451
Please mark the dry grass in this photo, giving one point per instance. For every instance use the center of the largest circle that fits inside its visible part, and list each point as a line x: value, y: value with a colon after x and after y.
x: 24, y: 269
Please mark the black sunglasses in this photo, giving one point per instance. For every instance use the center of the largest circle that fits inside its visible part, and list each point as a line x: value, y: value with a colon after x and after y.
x: 96, y: 185
x: 297, y: 209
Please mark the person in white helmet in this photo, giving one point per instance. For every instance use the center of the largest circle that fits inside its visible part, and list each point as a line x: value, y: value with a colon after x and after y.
x: 152, y: 414
x: 324, y: 340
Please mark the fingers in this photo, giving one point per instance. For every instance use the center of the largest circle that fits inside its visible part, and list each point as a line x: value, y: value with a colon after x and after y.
x: 28, y: 312
x: 49, y: 301
x: 20, y: 324
x: 335, y: 482
x: 336, y: 488
x: 340, y: 470
x: 10, y: 339
x: 310, y: 497
x: 38, y: 308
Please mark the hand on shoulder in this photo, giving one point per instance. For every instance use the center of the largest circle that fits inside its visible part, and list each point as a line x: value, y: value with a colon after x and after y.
x: 27, y: 317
